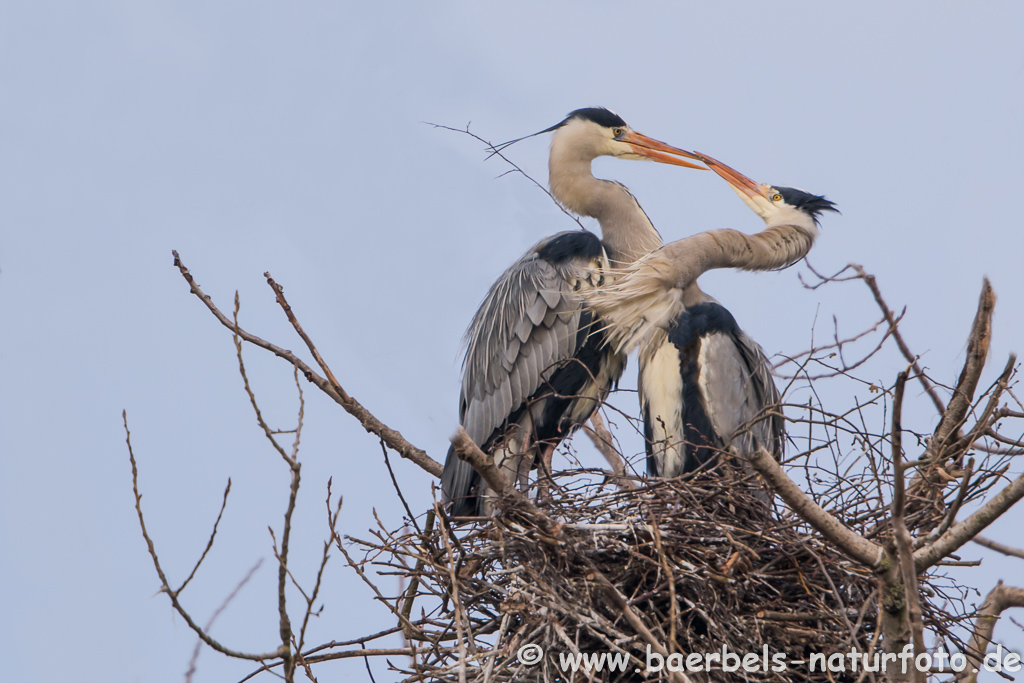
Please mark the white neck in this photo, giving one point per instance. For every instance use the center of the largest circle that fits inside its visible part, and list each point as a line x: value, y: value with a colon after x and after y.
x: 626, y: 231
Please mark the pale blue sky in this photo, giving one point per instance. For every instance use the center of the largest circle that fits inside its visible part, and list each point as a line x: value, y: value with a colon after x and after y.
x: 290, y: 138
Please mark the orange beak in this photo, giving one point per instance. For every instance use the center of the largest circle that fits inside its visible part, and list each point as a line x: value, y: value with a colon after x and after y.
x: 656, y: 150
x: 739, y: 181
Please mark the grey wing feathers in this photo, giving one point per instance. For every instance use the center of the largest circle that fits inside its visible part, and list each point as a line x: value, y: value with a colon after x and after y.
x: 771, y: 431
x: 526, y: 326
x: 740, y: 392
x: 457, y: 482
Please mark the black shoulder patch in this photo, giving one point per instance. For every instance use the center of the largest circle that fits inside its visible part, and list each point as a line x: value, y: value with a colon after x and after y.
x: 700, y: 321
x: 566, y: 388
x: 566, y: 246
x: 599, y: 115
x: 812, y: 204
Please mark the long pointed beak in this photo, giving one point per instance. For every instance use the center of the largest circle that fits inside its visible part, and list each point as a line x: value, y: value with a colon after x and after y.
x: 739, y: 181
x: 656, y: 150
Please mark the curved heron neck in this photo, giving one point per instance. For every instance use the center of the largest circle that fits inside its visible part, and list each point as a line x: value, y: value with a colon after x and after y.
x: 777, y: 246
x: 693, y: 295
x: 626, y: 231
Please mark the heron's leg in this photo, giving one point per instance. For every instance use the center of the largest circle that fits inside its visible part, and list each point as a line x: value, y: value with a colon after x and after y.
x: 762, y: 491
x: 523, y: 480
x: 521, y: 477
x: 544, y: 472
x: 524, y: 451
x: 507, y: 458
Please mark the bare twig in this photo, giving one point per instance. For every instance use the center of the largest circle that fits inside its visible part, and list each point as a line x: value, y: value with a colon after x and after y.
x: 672, y: 607
x: 282, y: 574
x: 962, y: 533
x: 332, y: 524
x: 999, y: 599
x: 636, y: 622
x: 267, y: 431
x: 954, y: 509
x: 414, y: 582
x: 393, y: 438
x: 978, y: 343
x: 497, y: 151
x: 209, y: 544
x: 854, y: 545
x: 999, y: 547
x: 295, y: 467
x: 165, y: 585
x: 496, y: 479
x: 904, y: 544
x: 209, y: 624
x: 990, y: 415
x: 872, y: 284
x: 460, y: 614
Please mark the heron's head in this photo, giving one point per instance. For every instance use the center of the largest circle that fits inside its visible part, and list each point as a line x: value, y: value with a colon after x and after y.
x: 775, y: 204
x: 586, y: 134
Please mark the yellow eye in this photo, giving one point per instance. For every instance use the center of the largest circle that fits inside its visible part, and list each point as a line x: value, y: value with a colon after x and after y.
x: 617, y: 132
x: 776, y: 197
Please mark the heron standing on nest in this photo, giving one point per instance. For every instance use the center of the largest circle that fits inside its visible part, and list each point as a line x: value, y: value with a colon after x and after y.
x: 537, y: 365
x: 705, y: 385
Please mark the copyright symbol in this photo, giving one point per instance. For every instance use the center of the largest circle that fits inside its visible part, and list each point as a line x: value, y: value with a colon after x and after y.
x: 530, y: 654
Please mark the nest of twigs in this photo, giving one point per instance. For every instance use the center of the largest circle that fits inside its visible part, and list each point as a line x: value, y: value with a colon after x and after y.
x: 692, y: 566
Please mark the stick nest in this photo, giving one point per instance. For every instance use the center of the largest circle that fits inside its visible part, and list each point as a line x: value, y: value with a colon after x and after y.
x: 690, y: 566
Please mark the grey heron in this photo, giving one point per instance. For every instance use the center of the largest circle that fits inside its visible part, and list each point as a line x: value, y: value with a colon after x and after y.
x: 705, y: 385
x: 536, y: 364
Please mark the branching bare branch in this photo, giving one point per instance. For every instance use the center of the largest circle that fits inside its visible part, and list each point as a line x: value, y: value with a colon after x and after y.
x: 978, y: 343
x: 869, y: 280
x: 618, y: 563
x: 209, y: 543
x: 391, y: 437
x: 495, y: 478
x: 962, y: 533
x: 854, y: 545
x: 996, y: 602
x: 904, y: 544
x: 515, y: 168
x: 165, y: 586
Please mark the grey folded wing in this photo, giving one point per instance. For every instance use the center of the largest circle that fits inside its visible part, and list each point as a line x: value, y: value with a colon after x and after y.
x: 741, y: 393
x: 527, y: 326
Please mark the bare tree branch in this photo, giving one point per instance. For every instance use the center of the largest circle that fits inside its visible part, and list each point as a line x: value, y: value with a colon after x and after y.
x: 990, y: 415
x: 332, y: 524
x: 213, y: 535
x: 457, y: 608
x: 391, y: 437
x: 295, y: 468
x: 636, y: 622
x: 904, y: 549
x: 978, y: 343
x: 165, y: 585
x: 209, y: 624
x: 872, y: 284
x: 999, y: 547
x: 999, y: 599
x: 854, y: 545
x: 467, y: 450
x: 962, y: 533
